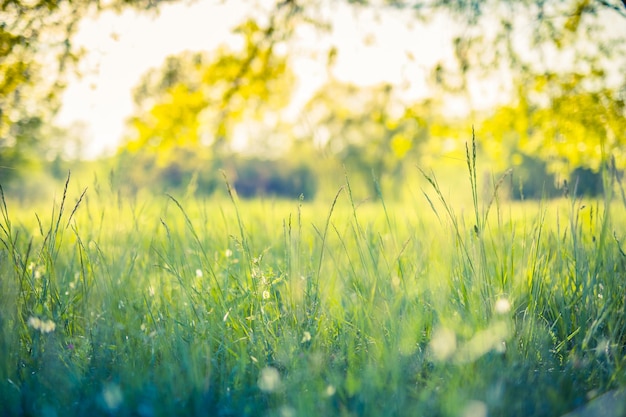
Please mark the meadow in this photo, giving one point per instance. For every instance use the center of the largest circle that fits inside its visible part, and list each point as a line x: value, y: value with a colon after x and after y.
x: 163, y: 305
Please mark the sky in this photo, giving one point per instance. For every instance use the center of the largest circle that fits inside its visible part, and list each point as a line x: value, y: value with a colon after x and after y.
x: 120, y: 48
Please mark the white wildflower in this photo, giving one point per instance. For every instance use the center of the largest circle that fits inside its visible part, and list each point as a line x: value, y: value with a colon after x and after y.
x: 443, y: 343
x: 269, y: 379
x: 287, y: 411
x: 46, y: 326
x: 112, y: 396
x: 502, y: 306
x: 475, y: 409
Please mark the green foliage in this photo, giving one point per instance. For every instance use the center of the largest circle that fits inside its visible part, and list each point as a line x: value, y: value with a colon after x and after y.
x: 586, y: 182
x: 279, y: 178
x: 166, y: 307
x: 195, y: 100
x: 187, y: 110
x: 368, y: 129
x: 24, y: 135
x: 531, y: 180
x: 562, y: 122
x: 36, y: 54
x: 186, y: 169
x: 527, y: 38
x: 581, y: 127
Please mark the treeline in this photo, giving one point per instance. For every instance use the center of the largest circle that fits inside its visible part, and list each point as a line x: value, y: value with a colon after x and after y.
x: 293, y: 178
x: 250, y: 177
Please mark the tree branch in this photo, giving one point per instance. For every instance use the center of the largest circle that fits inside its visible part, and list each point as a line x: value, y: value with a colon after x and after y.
x: 614, y: 7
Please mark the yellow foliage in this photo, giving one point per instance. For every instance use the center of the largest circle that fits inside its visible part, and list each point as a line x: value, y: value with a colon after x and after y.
x: 400, y: 145
x: 193, y: 101
x: 573, y: 128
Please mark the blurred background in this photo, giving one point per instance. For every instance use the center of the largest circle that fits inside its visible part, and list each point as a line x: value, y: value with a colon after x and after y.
x: 287, y: 98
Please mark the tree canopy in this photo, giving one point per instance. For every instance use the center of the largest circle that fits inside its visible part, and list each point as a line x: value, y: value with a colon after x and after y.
x: 191, y: 107
x: 196, y: 99
x: 558, y: 119
x: 36, y: 54
x: 562, y: 61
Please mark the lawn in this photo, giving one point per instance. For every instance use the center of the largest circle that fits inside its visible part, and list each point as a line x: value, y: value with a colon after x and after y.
x: 159, y: 306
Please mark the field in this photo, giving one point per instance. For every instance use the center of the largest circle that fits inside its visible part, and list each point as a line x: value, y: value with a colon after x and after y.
x: 160, y: 306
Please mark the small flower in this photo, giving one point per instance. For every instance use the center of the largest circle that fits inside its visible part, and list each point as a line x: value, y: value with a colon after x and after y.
x: 306, y: 337
x: 112, y: 396
x: 198, y: 273
x: 475, y: 409
x: 35, y: 270
x: 266, y: 295
x: 502, y: 306
x: 287, y: 411
x: 228, y: 253
x: 269, y: 379
x: 443, y: 343
x: 47, y: 326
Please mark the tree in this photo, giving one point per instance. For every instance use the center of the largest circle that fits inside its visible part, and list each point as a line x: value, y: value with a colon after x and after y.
x: 571, y: 122
x: 556, y: 37
x: 564, y: 64
x: 569, y: 47
x: 369, y: 129
x: 193, y: 104
x: 36, y: 53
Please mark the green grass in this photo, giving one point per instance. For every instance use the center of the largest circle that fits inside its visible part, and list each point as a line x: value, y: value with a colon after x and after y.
x: 173, y: 306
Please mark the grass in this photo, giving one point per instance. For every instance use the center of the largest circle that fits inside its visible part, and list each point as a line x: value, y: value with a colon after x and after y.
x: 174, y: 306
